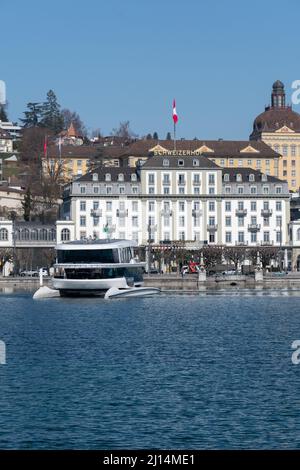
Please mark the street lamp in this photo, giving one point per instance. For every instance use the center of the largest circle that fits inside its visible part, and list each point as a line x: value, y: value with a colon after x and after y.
x: 151, y: 230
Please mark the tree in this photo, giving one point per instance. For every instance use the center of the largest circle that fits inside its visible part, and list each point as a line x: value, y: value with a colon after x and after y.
x: 212, y: 255
x: 236, y: 255
x: 70, y: 117
x: 51, y: 115
x: 155, y: 135
x: 3, y: 114
x: 168, y: 137
x: 32, y: 115
x: 124, y: 131
x: 149, y: 137
x: 267, y: 254
x: 27, y: 205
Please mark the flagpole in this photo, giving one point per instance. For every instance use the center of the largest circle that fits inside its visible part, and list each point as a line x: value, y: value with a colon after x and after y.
x: 174, y: 136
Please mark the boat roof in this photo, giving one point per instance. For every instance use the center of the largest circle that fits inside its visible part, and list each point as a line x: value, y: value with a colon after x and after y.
x: 104, y: 244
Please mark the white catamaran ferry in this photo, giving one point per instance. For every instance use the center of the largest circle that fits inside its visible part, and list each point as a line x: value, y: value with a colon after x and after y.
x: 97, y: 267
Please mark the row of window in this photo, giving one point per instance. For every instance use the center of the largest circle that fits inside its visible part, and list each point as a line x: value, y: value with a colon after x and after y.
x: 181, y: 178
x: 109, y: 189
x: 242, y: 222
x: 253, y: 237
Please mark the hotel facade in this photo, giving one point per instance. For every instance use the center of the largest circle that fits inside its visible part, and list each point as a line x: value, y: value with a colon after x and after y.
x: 172, y: 197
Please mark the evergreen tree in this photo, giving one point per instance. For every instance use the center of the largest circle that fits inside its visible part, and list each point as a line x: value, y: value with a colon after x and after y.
x: 32, y: 115
x: 169, y: 136
x: 149, y: 137
x: 3, y: 115
x: 51, y: 115
x: 155, y: 136
x: 27, y: 205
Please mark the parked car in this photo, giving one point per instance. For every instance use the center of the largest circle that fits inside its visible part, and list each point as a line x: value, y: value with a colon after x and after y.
x: 29, y: 273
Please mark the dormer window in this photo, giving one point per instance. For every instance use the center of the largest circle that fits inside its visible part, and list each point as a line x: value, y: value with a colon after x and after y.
x: 239, y: 177
x: 95, y: 176
x: 166, y: 162
x: 120, y: 177
x: 108, y: 177
x: 180, y: 162
x: 264, y: 177
x: 195, y: 162
x: 133, y: 177
x: 251, y: 177
x: 226, y: 177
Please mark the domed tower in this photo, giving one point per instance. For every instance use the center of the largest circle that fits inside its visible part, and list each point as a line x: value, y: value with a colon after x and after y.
x: 278, y: 95
x: 279, y: 127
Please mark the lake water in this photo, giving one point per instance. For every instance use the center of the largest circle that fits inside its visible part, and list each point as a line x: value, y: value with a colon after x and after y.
x: 177, y: 371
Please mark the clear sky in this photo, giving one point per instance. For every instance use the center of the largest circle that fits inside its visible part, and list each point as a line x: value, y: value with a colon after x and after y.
x: 116, y: 60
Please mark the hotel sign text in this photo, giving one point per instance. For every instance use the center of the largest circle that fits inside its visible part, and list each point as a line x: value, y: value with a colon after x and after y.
x: 176, y: 153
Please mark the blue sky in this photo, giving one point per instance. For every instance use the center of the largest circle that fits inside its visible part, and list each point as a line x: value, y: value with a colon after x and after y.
x: 118, y: 60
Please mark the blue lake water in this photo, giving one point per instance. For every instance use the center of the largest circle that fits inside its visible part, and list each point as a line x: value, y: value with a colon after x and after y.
x: 176, y: 371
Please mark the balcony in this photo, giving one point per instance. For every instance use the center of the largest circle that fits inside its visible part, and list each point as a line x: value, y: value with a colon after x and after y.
x: 241, y: 212
x: 254, y: 227
x: 196, y: 182
x: 212, y: 227
x: 166, y: 182
x: 244, y: 243
x: 122, y: 212
x: 181, y: 182
x: 269, y: 243
x: 196, y: 212
x: 96, y: 212
x: 166, y: 213
x: 266, y: 212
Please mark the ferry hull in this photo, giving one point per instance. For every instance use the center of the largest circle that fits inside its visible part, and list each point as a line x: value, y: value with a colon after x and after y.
x: 87, y: 286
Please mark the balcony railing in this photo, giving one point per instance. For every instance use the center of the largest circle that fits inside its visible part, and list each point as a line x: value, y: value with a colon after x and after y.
x: 241, y: 212
x: 269, y: 243
x: 244, y: 243
x: 266, y: 212
x: 212, y: 227
x: 196, y: 182
x: 96, y: 212
x: 196, y: 212
x: 166, y: 182
x: 166, y: 213
x: 122, y: 212
x: 181, y: 182
x: 253, y: 227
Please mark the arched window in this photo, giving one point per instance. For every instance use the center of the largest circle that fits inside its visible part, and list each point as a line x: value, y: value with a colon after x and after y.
x: 52, y: 234
x: 3, y: 234
x: 239, y: 177
x: 43, y: 234
x: 298, y: 234
x: 17, y: 235
x: 108, y: 177
x: 251, y: 177
x: 34, y: 234
x: 166, y: 162
x: 226, y: 177
x: 65, y: 235
x: 120, y: 177
x: 25, y: 234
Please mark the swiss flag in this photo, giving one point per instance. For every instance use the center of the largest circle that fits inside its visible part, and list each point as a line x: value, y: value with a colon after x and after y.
x: 175, y: 117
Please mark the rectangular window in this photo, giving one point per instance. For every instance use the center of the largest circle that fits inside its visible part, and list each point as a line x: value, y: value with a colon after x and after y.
x: 181, y: 206
x: 181, y: 179
x: 96, y: 189
x: 240, y: 163
x: 151, y: 206
x: 211, y: 238
x: 181, y: 221
x: 278, y: 220
x: 211, y: 190
x: 240, y: 221
x: 108, y: 206
x: 82, y: 189
x: 95, y: 221
x: 166, y: 236
x: 253, y: 190
x: 253, y: 220
x: 181, y: 190
x: 293, y: 182
x: 151, y: 179
x: 95, y: 205
x: 253, y: 206
x: 278, y: 237
x: 196, y: 221
x: 293, y: 162
x: 249, y: 162
x: 135, y: 221
x: 285, y: 150
x: 267, y: 162
x: 166, y: 179
x: 240, y: 190
x: 240, y: 205
x: 196, y: 179
x: 197, y: 236
x: 82, y: 235
x: 166, y: 220
x: 196, y: 190
x: 266, y: 237
x: 253, y: 237
x: 134, y: 206
x: 241, y: 237
x: 166, y: 190
x: 151, y: 190
x: 278, y: 206
x: 231, y: 162
x: 121, y: 190
x: 266, y: 221
x: 211, y: 179
x: 227, y: 189
x: 182, y: 236
x: 222, y: 162
x: 266, y: 205
x: 82, y: 206
x: 258, y: 163
x: 134, y: 189
x: 211, y: 206
x: 266, y: 190
x: 108, y: 220
x: 284, y: 163
x: 228, y: 237
x: 108, y: 190
x: 228, y: 221
x: 82, y: 221
x: 227, y: 206
x: 211, y: 221
x: 278, y: 189
x: 293, y: 151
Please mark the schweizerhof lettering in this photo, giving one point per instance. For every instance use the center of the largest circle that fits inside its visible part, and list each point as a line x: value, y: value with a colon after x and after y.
x: 176, y: 153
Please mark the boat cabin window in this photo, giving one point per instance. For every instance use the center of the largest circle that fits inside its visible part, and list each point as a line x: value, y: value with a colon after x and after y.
x: 88, y: 256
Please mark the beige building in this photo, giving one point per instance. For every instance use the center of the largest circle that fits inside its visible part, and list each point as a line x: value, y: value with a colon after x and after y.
x: 279, y: 127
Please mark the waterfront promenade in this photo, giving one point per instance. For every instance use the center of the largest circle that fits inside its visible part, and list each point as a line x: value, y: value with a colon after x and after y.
x: 175, y: 282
